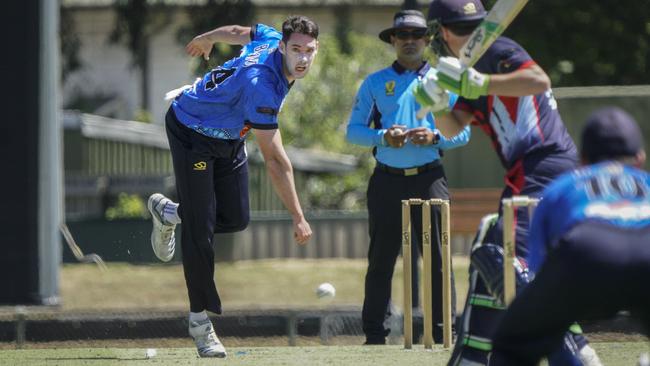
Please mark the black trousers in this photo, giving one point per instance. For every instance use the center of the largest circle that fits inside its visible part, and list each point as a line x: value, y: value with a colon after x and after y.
x: 212, y: 185
x: 385, y: 192
x: 596, y: 271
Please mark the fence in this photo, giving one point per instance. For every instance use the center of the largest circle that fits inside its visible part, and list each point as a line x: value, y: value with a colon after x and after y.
x: 337, y: 234
x: 105, y: 156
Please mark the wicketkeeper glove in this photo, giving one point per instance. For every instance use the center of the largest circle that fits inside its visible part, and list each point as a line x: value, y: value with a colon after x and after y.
x: 429, y: 95
x: 469, y: 84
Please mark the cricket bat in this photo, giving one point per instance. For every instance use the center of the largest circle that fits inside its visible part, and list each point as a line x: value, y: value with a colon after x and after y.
x: 496, y: 21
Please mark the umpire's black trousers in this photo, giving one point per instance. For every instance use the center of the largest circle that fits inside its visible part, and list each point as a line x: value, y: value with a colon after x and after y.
x: 385, y: 192
x: 212, y: 185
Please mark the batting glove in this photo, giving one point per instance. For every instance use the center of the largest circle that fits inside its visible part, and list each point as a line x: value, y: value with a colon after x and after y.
x: 429, y: 95
x: 469, y: 84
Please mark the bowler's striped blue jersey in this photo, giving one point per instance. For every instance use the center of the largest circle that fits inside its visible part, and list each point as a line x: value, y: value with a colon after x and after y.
x: 607, y: 192
x: 245, y: 92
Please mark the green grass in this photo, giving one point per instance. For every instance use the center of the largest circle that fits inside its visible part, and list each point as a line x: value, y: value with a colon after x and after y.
x: 612, y: 354
x: 264, y: 284
x: 246, y: 284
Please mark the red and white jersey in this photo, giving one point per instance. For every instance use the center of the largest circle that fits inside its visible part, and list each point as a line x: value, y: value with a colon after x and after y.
x: 517, y: 125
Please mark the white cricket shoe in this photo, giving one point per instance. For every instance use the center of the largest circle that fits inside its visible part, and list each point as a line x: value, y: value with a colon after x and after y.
x: 163, y: 241
x: 206, y: 340
x: 589, y: 357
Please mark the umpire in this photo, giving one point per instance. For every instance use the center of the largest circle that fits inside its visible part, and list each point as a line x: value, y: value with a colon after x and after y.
x: 407, y: 151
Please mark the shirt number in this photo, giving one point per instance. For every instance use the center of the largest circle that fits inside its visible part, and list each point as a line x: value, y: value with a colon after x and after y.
x: 621, y: 187
x: 218, y: 76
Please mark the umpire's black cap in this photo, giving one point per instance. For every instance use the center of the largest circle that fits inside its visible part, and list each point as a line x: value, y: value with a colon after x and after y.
x: 456, y: 11
x: 610, y: 133
x: 404, y: 19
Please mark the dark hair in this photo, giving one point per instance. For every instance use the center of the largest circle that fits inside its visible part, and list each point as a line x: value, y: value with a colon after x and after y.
x: 463, y: 28
x: 298, y: 24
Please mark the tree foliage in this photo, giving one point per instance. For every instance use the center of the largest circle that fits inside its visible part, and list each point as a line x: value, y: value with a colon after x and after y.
x: 136, y: 22
x: 316, y: 112
x: 585, y: 42
x: 70, y: 43
x: 215, y: 13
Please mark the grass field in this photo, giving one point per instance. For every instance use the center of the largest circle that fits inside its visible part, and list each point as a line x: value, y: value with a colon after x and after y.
x: 612, y: 354
x: 245, y: 284
x: 263, y: 284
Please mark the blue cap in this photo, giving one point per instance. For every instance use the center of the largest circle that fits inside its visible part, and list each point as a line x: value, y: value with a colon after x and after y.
x: 610, y: 133
x: 456, y: 11
x: 404, y: 19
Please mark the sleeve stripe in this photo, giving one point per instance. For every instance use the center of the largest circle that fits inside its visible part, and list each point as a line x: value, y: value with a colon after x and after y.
x: 253, y: 32
x: 527, y: 64
x: 261, y: 126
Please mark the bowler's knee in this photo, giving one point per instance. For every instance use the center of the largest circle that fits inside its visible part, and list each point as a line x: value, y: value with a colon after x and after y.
x: 232, y: 226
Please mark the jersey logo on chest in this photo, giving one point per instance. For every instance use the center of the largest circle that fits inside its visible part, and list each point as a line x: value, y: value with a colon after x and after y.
x: 390, y: 87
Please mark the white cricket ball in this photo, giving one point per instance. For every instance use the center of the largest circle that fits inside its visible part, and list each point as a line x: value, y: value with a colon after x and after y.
x: 325, y: 290
x: 397, y: 131
x: 151, y: 353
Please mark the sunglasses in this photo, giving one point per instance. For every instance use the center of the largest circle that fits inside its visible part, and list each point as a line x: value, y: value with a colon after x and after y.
x: 415, y: 34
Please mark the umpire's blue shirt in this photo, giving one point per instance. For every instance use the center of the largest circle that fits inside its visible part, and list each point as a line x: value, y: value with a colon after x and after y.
x: 607, y: 192
x: 245, y: 92
x: 385, y: 99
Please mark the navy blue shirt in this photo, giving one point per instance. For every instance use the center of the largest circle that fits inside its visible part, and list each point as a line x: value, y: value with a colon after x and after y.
x: 516, y: 125
x: 386, y: 98
x: 245, y: 92
x: 608, y: 192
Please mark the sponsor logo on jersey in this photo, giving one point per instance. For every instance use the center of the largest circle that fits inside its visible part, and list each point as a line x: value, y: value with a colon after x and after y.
x: 266, y: 110
x: 244, y: 131
x: 624, y: 211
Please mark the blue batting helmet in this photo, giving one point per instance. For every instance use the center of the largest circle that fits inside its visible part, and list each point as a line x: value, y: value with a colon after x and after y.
x: 456, y: 11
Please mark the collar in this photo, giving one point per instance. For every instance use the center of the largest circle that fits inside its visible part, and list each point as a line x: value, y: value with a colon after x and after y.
x: 279, y: 67
x: 401, y: 69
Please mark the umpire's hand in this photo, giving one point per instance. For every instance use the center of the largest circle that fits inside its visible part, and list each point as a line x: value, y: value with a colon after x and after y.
x: 395, y: 136
x: 423, y: 136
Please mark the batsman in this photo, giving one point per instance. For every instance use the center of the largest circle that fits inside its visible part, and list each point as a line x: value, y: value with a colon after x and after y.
x: 509, y: 97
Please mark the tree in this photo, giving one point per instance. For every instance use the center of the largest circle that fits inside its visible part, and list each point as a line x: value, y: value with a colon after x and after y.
x: 214, y: 14
x: 135, y: 23
x: 585, y: 42
x: 70, y: 43
x: 316, y: 111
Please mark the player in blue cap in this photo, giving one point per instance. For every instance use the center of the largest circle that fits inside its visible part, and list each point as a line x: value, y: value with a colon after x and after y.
x: 589, y: 245
x: 207, y: 125
x: 508, y: 96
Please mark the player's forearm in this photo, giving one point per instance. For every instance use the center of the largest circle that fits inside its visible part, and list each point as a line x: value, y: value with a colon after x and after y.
x: 281, y: 173
x: 230, y: 34
x: 460, y: 139
x: 362, y: 135
x: 529, y: 81
x: 452, y: 123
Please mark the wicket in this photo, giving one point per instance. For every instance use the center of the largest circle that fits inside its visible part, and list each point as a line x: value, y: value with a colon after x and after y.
x: 426, y: 255
x: 509, y: 206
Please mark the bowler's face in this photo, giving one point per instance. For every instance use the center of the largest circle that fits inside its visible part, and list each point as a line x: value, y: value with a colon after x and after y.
x: 299, y: 54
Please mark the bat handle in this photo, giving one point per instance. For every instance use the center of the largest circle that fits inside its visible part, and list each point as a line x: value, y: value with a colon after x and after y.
x: 423, y: 112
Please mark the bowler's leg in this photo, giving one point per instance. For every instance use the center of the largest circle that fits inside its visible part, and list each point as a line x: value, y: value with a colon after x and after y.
x: 231, y: 192
x: 194, y: 182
